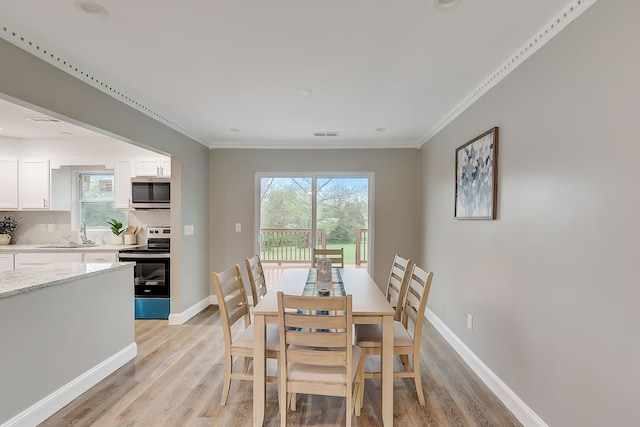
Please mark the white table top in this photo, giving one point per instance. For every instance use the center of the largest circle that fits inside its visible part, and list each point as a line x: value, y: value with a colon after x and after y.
x: 367, y: 297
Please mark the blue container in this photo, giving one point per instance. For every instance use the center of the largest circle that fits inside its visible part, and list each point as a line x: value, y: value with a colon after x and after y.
x: 152, y: 308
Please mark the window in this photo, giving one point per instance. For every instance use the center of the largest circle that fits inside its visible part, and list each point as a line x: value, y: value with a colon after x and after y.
x: 96, y: 198
x: 295, y: 213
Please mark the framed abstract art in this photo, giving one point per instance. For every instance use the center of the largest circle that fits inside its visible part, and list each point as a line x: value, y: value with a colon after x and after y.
x: 476, y: 177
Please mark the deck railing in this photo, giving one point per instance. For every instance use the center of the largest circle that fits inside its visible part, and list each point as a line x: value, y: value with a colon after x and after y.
x: 293, y: 245
x: 290, y: 245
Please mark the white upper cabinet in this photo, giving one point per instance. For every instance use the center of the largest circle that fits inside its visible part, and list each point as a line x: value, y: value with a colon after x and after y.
x: 153, y: 166
x: 122, y: 173
x: 34, y: 184
x: 165, y: 167
x: 9, y: 180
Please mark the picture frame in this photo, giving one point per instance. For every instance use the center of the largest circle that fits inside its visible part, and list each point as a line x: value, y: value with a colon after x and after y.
x: 476, y: 174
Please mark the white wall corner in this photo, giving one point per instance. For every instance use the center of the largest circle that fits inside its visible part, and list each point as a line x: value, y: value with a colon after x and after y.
x: 508, y: 397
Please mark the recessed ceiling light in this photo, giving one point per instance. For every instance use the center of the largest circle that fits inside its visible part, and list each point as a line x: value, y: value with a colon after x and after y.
x: 446, y: 3
x: 304, y: 92
x: 92, y: 8
x: 234, y: 129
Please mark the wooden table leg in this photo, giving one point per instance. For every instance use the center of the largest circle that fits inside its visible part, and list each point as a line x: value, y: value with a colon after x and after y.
x: 387, y: 370
x: 259, y: 386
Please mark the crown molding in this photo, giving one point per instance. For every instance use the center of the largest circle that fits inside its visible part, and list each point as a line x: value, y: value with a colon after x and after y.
x: 571, y: 12
x: 324, y: 145
x: 52, y: 58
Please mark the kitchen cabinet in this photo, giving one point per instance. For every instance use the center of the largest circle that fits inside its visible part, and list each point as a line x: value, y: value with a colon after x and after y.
x: 26, y: 260
x: 6, y: 262
x: 9, y: 180
x: 34, y: 184
x: 122, y: 173
x: 100, y: 257
x: 155, y: 166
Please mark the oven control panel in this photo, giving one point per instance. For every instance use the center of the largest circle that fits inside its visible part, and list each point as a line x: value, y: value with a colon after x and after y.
x: 156, y: 231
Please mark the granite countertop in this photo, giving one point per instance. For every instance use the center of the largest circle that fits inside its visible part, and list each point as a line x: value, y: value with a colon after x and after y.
x: 15, y: 282
x: 46, y: 247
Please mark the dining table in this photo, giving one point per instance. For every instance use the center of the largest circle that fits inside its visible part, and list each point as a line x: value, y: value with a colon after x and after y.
x: 369, y: 306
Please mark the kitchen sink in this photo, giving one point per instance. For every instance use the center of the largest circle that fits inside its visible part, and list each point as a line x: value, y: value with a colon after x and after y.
x: 70, y: 245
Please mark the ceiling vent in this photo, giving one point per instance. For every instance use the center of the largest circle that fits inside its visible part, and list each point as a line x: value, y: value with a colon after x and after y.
x: 42, y: 120
x: 326, y: 133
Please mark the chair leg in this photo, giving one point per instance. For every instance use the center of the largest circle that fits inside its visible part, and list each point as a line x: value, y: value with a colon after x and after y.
x: 418, y: 377
x: 283, y: 405
x: 360, y: 385
x: 349, y: 408
x: 227, y: 379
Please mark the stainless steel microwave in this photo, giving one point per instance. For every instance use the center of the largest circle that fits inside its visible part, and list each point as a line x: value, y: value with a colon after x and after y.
x: 150, y: 192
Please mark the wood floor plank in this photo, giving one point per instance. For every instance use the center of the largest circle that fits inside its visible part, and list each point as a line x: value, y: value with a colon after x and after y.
x: 176, y: 380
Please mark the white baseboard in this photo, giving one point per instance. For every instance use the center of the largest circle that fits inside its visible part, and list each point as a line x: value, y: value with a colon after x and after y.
x: 180, y: 318
x: 517, y: 406
x: 57, y: 400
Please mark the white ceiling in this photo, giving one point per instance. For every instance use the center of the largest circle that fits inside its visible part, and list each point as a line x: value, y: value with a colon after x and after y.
x: 209, y: 67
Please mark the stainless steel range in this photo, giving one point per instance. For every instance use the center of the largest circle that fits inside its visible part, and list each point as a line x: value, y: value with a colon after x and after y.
x: 151, y: 273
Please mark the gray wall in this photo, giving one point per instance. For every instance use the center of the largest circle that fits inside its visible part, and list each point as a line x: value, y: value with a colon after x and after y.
x: 553, y: 283
x: 397, y: 197
x: 53, y: 335
x: 43, y: 87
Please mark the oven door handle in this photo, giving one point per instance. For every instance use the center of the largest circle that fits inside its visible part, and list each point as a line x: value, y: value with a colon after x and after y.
x: 133, y: 257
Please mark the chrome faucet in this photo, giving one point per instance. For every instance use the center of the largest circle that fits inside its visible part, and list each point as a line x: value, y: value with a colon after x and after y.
x: 83, y: 234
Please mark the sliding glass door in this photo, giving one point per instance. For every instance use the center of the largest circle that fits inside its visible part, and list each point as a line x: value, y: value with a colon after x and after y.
x: 296, y: 213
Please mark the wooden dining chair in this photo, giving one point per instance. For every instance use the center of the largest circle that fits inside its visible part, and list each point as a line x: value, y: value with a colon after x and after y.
x: 406, y: 332
x: 397, y: 283
x: 234, y: 306
x: 335, y: 255
x: 256, y: 278
x: 317, y: 355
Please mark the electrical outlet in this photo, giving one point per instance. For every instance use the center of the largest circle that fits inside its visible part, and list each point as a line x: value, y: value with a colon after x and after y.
x: 43, y: 227
x: 188, y: 230
x: 238, y: 227
x: 470, y: 322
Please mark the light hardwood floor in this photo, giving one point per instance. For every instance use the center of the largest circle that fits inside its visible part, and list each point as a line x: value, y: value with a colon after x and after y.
x: 176, y: 380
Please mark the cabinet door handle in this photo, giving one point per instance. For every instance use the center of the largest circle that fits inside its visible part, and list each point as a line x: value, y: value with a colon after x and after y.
x: 44, y: 203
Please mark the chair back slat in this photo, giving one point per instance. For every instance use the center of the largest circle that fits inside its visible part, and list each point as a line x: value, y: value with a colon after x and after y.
x: 335, y: 255
x: 232, y: 299
x: 415, y: 301
x: 329, y: 320
x: 397, y: 283
x: 256, y: 278
x: 318, y: 339
x: 318, y: 358
x: 319, y: 334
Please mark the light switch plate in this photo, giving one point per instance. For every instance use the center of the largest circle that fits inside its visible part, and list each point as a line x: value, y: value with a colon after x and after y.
x: 188, y: 230
x: 238, y: 227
